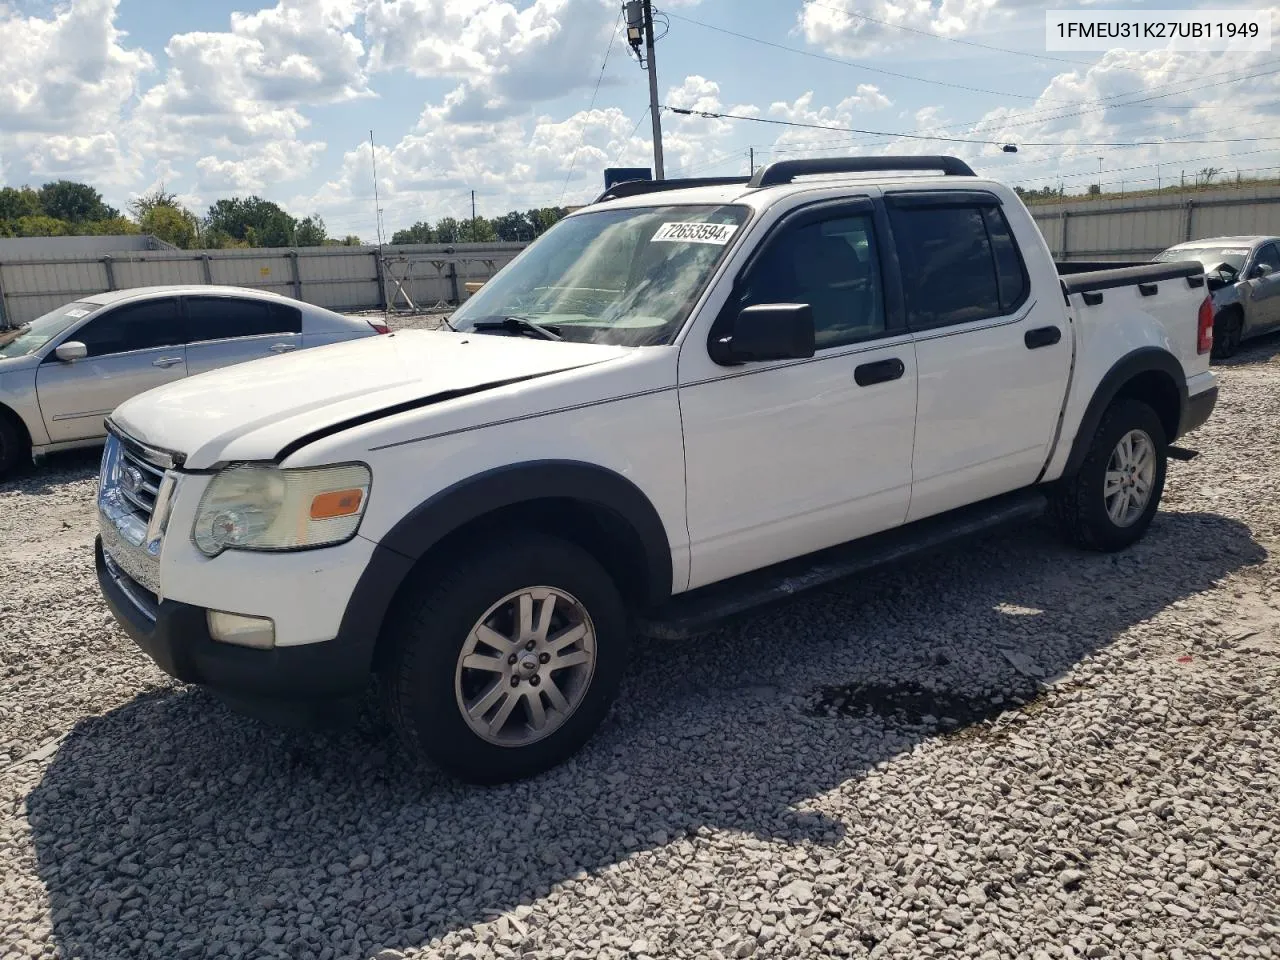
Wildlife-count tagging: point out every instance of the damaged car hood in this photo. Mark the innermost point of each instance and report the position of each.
(277, 400)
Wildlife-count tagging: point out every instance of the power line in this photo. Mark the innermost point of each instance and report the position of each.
(938, 36)
(713, 115)
(591, 106)
(854, 64)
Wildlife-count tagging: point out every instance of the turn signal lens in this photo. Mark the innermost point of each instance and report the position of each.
(337, 503)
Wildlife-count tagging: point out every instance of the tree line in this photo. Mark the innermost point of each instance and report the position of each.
(513, 226)
(65, 208)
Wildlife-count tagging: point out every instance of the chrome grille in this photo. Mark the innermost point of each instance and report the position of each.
(139, 481)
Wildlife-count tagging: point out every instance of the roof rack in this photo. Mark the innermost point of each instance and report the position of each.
(785, 171)
(635, 188)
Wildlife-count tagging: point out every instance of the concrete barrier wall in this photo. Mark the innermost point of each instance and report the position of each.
(341, 278)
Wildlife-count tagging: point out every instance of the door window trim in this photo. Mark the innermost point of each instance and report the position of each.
(271, 305)
(106, 312)
(975, 199)
(817, 211)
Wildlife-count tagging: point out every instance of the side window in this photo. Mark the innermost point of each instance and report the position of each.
(1269, 255)
(134, 326)
(832, 265)
(218, 318)
(948, 266)
(1011, 273)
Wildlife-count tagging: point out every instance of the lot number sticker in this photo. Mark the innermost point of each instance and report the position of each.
(716, 233)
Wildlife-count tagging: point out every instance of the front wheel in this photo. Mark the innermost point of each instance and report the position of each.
(1112, 499)
(503, 664)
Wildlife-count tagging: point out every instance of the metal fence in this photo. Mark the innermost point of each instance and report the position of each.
(1137, 228)
(340, 278)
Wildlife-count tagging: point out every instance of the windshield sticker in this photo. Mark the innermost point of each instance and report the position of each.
(1233, 253)
(717, 233)
(77, 313)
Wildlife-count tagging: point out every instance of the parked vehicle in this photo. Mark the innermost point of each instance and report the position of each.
(62, 373)
(1243, 274)
(675, 405)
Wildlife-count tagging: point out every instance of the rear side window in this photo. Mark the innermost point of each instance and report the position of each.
(1270, 256)
(959, 264)
(134, 326)
(220, 318)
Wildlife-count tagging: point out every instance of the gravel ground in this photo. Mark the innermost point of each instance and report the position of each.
(1009, 750)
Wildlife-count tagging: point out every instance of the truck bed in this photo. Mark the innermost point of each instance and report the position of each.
(1088, 276)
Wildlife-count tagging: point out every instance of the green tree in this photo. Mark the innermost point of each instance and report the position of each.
(110, 227)
(478, 230)
(18, 202)
(41, 226)
(74, 202)
(159, 197)
(311, 232)
(513, 226)
(172, 224)
(252, 222)
(544, 218)
(448, 230)
(420, 232)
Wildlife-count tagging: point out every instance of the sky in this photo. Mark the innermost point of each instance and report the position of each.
(527, 101)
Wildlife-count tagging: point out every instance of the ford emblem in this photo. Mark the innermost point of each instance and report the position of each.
(131, 480)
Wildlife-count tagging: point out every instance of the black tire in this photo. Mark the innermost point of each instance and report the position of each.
(1228, 327)
(1078, 505)
(439, 607)
(13, 446)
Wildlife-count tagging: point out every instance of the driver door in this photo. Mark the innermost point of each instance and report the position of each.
(131, 348)
(783, 458)
(1264, 292)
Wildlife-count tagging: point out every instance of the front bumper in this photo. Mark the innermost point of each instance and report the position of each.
(178, 640)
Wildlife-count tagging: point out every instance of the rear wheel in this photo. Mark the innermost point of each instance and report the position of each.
(1112, 499)
(504, 665)
(1228, 328)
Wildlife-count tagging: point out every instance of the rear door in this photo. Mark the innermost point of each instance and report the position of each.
(222, 331)
(131, 349)
(1264, 291)
(993, 360)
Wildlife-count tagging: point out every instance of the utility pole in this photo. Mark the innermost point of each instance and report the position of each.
(639, 19)
(752, 152)
(472, 229)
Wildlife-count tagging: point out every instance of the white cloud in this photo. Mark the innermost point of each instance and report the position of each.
(70, 72)
(275, 162)
(505, 58)
(834, 25)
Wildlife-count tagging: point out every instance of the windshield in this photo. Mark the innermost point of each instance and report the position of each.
(1209, 257)
(27, 339)
(625, 277)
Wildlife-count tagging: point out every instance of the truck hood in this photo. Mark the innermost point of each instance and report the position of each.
(280, 399)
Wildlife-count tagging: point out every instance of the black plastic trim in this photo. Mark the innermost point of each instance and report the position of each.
(785, 171)
(1195, 281)
(1092, 298)
(1128, 276)
(1148, 289)
(1198, 409)
(434, 519)
(923, 199)
(1133, 364)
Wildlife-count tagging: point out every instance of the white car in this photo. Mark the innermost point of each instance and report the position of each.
(676, 404)
(64, 372)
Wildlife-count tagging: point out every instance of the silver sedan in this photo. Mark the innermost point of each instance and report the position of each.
(62, 373)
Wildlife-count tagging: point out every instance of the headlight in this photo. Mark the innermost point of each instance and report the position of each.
(258, 507)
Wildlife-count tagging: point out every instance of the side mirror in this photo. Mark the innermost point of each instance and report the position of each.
(1263, 270)
(767, 331)
(71, 351)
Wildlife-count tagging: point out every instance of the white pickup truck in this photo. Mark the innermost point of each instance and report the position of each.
(680, 402)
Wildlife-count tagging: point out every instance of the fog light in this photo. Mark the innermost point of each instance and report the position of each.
(243, 631)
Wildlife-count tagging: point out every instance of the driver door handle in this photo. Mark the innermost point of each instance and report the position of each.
(283, 347)
(882, 371)
(165, 361)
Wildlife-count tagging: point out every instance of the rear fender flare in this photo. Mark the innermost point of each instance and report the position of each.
(1131, 365)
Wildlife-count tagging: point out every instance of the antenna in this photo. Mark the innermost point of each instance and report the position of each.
(377, 208)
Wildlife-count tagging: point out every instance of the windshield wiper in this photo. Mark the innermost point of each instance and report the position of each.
(517, 324)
